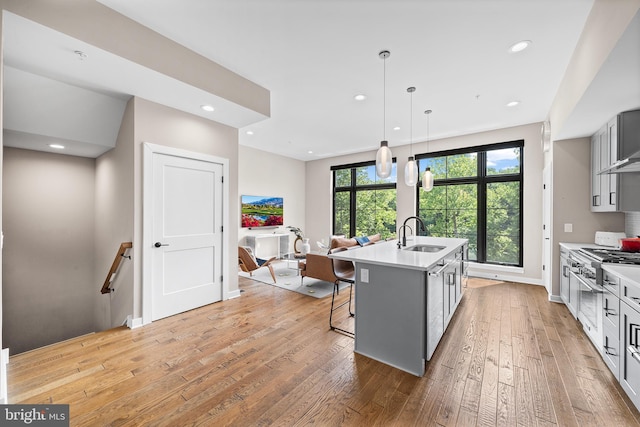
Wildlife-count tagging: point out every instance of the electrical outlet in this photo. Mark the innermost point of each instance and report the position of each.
(364, 275)
(568, 228)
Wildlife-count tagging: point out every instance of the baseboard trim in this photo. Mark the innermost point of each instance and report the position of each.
(233, 294)
(133, 323)
(505, 278)
(4, 360)
(556, 298)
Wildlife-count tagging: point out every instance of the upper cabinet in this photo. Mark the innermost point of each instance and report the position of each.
(611, 192)
(604, 196)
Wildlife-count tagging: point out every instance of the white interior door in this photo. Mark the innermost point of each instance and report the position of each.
(187, 234)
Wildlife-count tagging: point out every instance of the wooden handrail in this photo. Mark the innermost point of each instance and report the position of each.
(106, 288)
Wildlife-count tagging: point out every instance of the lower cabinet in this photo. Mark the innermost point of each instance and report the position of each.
(444, 291)
(568, 286)
(611, 331)
(630, 360)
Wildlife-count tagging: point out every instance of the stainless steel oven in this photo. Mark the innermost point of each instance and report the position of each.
(587, 275)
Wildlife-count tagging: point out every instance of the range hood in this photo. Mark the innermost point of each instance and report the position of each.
(630, 164)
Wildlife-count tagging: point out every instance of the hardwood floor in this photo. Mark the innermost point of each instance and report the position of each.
(509, 358)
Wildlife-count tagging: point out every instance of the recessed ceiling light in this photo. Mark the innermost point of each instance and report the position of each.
(249, 132)
(57, 146)
(396, 128)
(309, 152)
(513, 103)
(519, 46)
(360, 97)
(207, 108)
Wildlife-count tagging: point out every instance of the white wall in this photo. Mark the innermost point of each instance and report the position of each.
(266, 174)
(319, 182)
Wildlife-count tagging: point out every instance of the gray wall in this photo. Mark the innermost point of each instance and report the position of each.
(48, 282)
(114, 223)
(571, 197)
(162, 125)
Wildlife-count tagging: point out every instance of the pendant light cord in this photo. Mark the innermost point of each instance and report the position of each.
(384, 98)
(411, 123)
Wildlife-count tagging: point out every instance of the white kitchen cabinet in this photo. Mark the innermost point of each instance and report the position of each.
(569, 288)
(564, 275)
(630, 360)
(611, 331)
(604, 197)
(615, 141)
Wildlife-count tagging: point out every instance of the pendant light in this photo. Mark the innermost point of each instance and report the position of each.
(427, 177)
(411, 168)
(384, 156)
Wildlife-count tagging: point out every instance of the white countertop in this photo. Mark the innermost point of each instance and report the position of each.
(387, 253)
(575, 246)
(630, 273)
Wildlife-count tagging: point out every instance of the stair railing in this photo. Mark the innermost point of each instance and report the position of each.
(106, 287)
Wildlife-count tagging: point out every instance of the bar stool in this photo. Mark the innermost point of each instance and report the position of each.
(344, 272)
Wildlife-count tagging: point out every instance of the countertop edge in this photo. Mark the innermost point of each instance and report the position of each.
(387, 253)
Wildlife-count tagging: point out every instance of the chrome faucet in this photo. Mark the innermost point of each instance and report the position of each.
(404, 224)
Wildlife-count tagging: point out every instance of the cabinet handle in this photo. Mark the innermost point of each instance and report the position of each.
(596, 200)
(612, 198)
(633, 335)
(606, 350)
(634, 352)
(606, 282)
(608, 311)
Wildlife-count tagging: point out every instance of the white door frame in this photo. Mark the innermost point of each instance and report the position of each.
(147, 218)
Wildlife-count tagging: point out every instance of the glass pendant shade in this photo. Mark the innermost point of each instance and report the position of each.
(383, 160)
(411, 172)
(427, 180)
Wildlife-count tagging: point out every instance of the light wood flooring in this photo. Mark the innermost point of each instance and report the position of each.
(509, 358)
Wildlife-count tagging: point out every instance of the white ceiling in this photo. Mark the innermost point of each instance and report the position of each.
(315, 55)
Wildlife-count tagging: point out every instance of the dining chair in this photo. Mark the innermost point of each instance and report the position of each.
(344, 272)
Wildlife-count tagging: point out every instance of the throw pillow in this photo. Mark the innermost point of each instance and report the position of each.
(362, 240)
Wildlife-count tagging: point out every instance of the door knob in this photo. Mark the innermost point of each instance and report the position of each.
(158, 244)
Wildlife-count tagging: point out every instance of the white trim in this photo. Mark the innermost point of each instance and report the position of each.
(4, 360)
(234, 294)
(133, 323)
(505, 278)
(147, 215)
(475, 266)
(556, 298)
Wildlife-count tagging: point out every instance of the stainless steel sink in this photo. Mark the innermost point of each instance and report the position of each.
(425, 248)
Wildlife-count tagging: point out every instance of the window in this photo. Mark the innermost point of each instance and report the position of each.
(363, 204)
(477, 195)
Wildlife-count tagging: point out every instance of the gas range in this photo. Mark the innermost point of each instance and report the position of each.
(612, 256)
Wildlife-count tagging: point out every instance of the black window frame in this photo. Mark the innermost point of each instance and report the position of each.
(482, 180)
(353, 188)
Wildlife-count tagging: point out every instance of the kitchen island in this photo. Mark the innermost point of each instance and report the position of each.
(405, 298)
